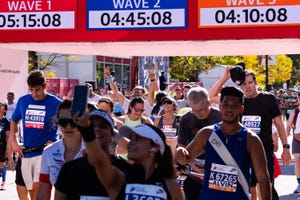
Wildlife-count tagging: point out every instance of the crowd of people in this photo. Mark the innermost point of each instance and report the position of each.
(190, 143)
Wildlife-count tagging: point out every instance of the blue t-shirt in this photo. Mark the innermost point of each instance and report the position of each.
(39, 124)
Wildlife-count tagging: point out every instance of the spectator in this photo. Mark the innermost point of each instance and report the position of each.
(118, 110)
(152, 169)
(4, 134)
(10, 105)
(201, 115)
(293, 125)
(37, 111)
(291, 101)
(183, 103)
(135, 113)
(167, 122)
(93, 98)
(138, 91)
(55, 155)
(77, 178)
(260, 111)
(230, 150)
(158, 110)
(178, 94)
(107, 105)
(162, 82)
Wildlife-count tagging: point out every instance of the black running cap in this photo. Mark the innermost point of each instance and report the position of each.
(238, 74)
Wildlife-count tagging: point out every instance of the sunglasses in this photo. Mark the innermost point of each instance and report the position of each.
(167, 102)
(65, 121)
(139, 109)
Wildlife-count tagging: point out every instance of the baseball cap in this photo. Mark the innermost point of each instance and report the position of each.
(145, 131)
(238, 74)
(104, 115)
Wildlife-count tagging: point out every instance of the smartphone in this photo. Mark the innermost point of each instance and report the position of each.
(79, 103)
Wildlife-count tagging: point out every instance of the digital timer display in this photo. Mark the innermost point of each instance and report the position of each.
(236, 15)
(136, 14)
(37, 14)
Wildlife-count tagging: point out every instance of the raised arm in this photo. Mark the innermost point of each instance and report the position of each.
(215, 89)
(152, 78)
(120, 97)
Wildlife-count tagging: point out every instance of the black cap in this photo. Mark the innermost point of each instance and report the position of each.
(238, 74)
(233, 91)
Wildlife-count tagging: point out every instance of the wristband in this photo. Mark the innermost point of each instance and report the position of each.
(87, 133)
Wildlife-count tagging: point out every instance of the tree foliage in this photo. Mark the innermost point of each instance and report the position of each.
(188, 68)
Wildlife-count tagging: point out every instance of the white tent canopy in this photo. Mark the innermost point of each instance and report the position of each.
(168, 48)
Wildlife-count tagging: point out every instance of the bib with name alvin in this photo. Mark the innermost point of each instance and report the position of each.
(223, 178)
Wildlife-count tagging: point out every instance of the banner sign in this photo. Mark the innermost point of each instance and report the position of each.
(37, 14)
(136, 14)
(248, 13)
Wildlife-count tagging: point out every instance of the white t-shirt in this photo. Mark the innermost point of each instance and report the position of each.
(10, 110)
(53, 159)
(94, 99)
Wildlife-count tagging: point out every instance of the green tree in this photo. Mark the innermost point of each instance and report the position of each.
(187, 68)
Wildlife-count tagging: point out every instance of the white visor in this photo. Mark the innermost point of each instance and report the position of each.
(144, 131)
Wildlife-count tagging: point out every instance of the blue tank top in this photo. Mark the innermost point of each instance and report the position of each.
(214, 179)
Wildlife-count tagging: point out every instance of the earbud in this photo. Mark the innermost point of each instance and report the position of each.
(153, 150)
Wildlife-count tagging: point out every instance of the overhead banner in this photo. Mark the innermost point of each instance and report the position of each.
(147, 20)
(136, 14)
(37, 14)
(248, 13)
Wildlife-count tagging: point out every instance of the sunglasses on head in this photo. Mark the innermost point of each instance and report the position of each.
(167, 102)
(139, 109)
(65, 121)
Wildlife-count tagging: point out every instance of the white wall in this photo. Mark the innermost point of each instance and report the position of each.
(80, 67)
(210, 76)
(13, 72)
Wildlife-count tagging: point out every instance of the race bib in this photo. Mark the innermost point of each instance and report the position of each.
(169, 131)
(252, 122)
(223, 178)
(93, 198)
(181, 179)
(35, 116)
(144, 192)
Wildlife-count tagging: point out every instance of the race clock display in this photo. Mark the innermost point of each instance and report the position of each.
(136, 14)
(37, 14)
(248, 13)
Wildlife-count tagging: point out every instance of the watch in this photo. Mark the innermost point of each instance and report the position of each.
(287, 146)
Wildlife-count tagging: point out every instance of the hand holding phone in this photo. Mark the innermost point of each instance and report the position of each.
(79, 103)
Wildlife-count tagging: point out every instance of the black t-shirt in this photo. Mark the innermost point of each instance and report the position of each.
(162, 84)
(264, 105)
(189, 125)
(78, 178)
(4, 126)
